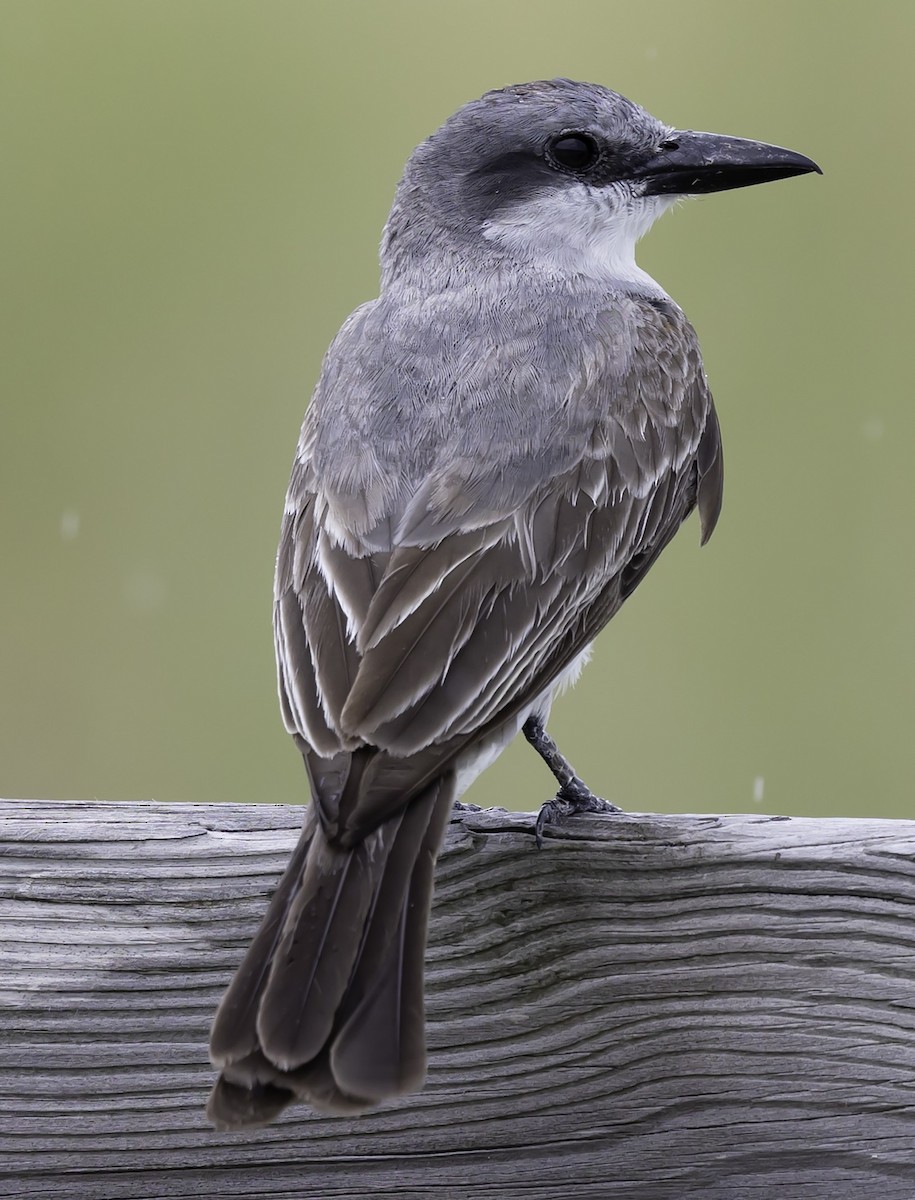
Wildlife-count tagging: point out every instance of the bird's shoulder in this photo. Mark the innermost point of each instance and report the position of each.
(453, 407)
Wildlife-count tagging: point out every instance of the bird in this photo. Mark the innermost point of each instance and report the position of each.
(498, 449)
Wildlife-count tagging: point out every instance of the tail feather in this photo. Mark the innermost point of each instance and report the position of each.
(379, 1048)
(249, 1092)
(327, 1005)
(233, 1034)
(319, 945)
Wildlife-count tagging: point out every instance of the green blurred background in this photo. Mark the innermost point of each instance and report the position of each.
(193, 192)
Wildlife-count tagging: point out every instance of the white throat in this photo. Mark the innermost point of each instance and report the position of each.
(582, 231)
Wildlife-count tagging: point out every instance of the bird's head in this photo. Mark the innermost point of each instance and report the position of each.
(564, 176)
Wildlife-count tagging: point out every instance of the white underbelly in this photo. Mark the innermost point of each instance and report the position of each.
(485, 752)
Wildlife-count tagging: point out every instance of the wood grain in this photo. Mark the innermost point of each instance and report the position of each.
(652, 1007)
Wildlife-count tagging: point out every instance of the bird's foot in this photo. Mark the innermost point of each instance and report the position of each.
(573, 797)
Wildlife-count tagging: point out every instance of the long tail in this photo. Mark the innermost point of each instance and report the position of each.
(327, 1006)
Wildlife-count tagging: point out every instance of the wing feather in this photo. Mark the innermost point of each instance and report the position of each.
(414, 576)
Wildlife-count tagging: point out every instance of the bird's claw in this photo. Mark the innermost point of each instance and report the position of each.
(571, 799)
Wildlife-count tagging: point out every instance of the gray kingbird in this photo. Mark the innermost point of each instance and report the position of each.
(497, 450)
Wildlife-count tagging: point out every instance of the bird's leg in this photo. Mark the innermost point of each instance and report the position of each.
(574, 795)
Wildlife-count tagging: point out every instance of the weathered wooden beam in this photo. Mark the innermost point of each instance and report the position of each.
(651, 1007)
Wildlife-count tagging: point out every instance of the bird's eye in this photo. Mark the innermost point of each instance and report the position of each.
(573, 151)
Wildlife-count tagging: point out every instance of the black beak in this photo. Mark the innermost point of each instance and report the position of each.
(689, 164)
